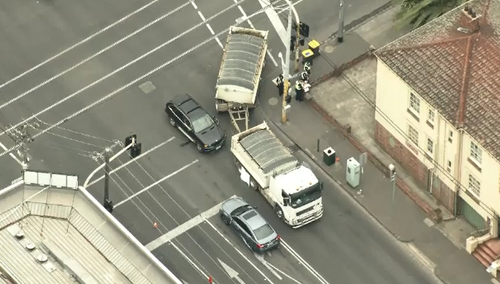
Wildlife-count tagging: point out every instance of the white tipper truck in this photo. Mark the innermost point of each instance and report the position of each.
(240, 72)
(266, 165)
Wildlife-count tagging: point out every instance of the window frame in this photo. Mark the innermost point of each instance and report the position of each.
(475, 191)
(448, 166)
(431, 113)
(410, 128)
(431, 152)
(414, 104)
(450, 136)
(475, 153)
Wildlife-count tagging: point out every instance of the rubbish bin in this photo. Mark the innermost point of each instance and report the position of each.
(329, 156)
(307, 56)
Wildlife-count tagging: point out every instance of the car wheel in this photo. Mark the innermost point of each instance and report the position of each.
(246, 243)
(278, 211)
(172, 122)
(225, 219)
(199, 147)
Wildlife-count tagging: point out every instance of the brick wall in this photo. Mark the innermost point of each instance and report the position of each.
(408, 159)
(443, 194)
(401, 154)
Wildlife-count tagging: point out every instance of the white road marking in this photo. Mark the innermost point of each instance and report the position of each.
(120, 69)
(253, 27)
(303, 262)
(190, 261)
(156, 183)
(179, 230)
(93, 56)
(275, 21)
(284, 274)
(240, 253)
(78, 44)
(194, 4)
(132, 160)
(11, 155)
(233, 274)
(261, 259)
(208, 26)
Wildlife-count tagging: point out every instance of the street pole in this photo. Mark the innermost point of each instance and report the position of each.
(107, 169)
(340, 33)
(286, 67)
(297, 36)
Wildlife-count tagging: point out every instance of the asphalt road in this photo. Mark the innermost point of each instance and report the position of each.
(345, 246)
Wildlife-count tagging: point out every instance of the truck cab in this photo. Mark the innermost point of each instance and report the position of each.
(300, 194)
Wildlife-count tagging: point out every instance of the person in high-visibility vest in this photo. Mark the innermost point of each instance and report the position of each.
(299, 91)
(280, 83)
(307, 68)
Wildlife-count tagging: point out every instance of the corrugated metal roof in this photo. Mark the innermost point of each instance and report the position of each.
(266, 150)
(241, 62)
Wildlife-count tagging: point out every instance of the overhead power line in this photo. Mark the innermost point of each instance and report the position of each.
(117, 91)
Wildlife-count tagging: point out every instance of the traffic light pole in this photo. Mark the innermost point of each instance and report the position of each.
(107, 169)
(286, 65)
(100, 167)
(297, 44)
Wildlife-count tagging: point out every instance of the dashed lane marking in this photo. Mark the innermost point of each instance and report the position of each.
(208, 25)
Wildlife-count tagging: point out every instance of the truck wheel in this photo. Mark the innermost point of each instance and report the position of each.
(278, 211)
(253, 184)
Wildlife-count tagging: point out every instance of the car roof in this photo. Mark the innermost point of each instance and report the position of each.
(188, 105)
(253, 219)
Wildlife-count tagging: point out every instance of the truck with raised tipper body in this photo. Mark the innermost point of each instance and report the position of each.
(240, 72)
(266, 165)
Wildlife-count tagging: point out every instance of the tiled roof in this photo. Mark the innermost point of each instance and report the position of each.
(456, 69)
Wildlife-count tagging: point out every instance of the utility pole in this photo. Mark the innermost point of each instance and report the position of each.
(22, 137)
(107, 169)
(286, 65)
(340, 33)
(297, 44)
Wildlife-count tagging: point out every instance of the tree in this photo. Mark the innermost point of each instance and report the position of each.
(416, 13)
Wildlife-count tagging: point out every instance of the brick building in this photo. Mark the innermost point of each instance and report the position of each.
(438, 99)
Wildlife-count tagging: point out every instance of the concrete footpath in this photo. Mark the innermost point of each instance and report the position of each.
(339, 113)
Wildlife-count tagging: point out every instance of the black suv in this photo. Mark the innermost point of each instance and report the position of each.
(195, 122)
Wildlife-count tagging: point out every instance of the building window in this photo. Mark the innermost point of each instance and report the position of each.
(414, 103)
(430, 146)
(450, 136)
(476, 153)
(413, 135)
(448, 167)
(474, 185)
(430, 117)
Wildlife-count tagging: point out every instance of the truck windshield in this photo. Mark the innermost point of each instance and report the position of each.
(310, 195)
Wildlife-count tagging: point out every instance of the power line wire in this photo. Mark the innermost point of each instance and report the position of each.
(117, 91)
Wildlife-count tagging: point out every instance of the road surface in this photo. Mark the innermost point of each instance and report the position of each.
(172, 184)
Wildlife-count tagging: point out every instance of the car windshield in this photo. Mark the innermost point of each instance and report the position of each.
(305, 198)
(203, 122)
(263, 232)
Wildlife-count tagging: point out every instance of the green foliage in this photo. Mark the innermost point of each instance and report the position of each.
(416, 13)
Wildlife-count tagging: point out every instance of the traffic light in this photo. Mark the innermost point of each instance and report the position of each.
(129, 139)
(136, 150)
(108, 205)
(304, 29)
(292, 43)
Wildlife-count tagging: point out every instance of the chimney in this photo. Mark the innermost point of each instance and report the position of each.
(469, 20)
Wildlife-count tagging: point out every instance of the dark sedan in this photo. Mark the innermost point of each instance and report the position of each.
(195, 123)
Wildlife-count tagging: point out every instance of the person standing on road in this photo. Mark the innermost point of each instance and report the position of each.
(307, 68)
(280, 83)
(299, 91)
